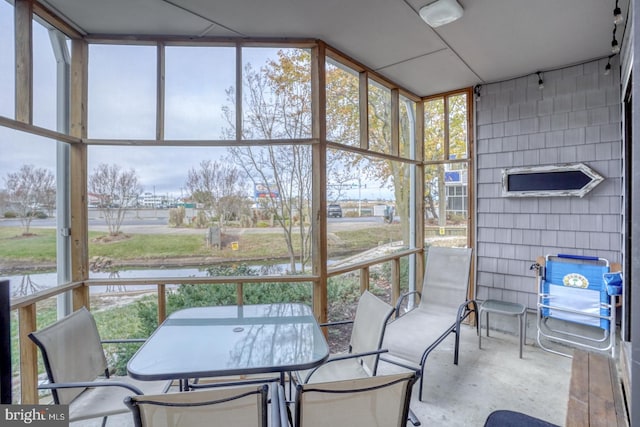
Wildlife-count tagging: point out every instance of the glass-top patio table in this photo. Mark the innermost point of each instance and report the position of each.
(231, 340)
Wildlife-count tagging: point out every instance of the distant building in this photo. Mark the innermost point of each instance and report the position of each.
(151, 200)
(456, 183)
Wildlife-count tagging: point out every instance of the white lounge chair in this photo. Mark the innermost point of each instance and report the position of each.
(444, 304)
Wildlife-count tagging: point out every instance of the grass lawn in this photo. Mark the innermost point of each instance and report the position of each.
(41, 246)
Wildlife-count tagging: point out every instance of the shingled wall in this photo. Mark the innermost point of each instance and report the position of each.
(575, 118)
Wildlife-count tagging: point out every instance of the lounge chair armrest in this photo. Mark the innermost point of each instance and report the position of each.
(402, 298)
(336, 323)
(123, 340)
(92, 384)
(401, 363)
(344, 357)
(464, 310)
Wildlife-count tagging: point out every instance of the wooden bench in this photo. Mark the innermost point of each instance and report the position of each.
(595, 393)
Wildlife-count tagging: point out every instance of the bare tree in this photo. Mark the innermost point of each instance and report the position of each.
(219, 187)
(29, 190)
(4, 200)
(115, 189)
(278, 106)
(286, 171)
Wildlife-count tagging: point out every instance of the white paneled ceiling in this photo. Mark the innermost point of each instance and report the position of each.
(494, 40)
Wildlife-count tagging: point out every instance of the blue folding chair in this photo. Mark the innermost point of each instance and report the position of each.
(576, 289)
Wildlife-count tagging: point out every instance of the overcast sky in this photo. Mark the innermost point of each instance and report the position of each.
(122, 104)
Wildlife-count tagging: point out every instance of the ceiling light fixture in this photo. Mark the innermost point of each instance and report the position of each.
(477, 91)
(441, 12)
(615, 47)
(617, 15)
(540, 82)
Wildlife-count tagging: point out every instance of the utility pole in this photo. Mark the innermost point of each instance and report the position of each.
(359, 198)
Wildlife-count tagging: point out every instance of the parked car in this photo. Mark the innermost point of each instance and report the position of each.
(334, 211)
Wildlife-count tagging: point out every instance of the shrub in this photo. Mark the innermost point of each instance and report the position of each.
(10, 214)
(201, 220)
(37, 214)
(176, 216)
(343, 291)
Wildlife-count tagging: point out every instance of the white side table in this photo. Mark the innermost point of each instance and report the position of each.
(508, 309)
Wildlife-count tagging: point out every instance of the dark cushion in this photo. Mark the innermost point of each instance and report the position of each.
(504, 418)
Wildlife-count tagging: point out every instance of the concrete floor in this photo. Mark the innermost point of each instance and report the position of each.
(484, 380)
(491, 378)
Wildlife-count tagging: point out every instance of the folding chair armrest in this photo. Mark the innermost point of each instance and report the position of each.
(344, 357)
(402, 298)
(279, 413)
(90, 384)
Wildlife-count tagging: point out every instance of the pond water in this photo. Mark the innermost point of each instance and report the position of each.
(27, 284)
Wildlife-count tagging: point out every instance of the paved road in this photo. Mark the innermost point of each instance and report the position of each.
(155, 222)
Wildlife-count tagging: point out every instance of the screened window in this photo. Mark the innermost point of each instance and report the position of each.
(7, 60)
(28, 206)
(343, 104)
(276, 93)
(379, 118)
(407, 128)
(446, 148)
(122, 92)
(199, 92)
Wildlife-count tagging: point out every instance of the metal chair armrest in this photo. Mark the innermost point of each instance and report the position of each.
(123, 341)
(91, 384)
(344, 357)
(239, 381)
(336, 323)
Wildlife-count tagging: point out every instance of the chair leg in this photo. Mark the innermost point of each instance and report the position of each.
(104, 421)
(412, 417)
(487, 323)
(421, 381)
(455, 350)
(479, 329)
